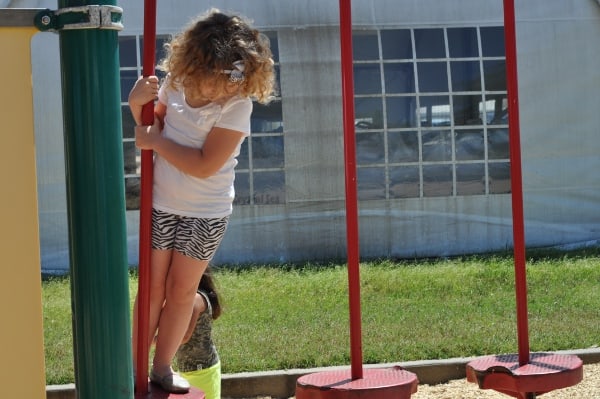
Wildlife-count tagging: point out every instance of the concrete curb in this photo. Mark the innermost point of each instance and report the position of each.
(282, 383)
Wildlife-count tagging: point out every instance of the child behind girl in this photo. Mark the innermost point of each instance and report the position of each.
(197, 358)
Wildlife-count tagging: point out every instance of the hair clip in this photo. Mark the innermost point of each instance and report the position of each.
(236, 75)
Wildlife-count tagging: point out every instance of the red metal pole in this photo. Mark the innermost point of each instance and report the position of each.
(516, 180)
(141, 382)
(351, 196)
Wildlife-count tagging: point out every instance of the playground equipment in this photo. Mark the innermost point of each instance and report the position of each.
(21, 338)
(94, 180)
(88, 36)
(100, 292)
(357, 383)
(523, 375)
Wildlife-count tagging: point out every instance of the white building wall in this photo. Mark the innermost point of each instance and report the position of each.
(558, 71)
(558, 79)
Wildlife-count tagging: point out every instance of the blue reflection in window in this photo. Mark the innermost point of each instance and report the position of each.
(369, 148)
(470, 179)
(367, 79)
(466, 75)
(269, 187)
(404, 182)
(267, 118)
(429, 43)
(499, 177)
(274, 43)
(495, 75)
(365, 46)
(462, 42)
(399, 78)
(492, 41)
(127, 51)
(277, 71)
(437, 180)
(128, 79)
(437, 146)
(497, 109)
(371, 183)
(467, 110)
(403, 147)
(469, 145)
(130, 158)
(368, 113)
(433, 77)
(243, 158)
(242, 188)
(127, 122)
(267, 152)
(498, 144)
(396, 44)
(401, 112)
(434, 110)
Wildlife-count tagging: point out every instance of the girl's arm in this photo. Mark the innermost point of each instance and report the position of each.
(199, 307)
(160, 110)
(144, 90)
(198, 162)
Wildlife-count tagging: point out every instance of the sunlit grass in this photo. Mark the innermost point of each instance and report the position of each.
(280, 317)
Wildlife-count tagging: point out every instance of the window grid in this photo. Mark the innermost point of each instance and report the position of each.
(420, 97)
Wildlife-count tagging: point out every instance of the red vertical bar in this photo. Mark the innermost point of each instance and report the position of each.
(141, 382)
(516, 180)
(351, 197)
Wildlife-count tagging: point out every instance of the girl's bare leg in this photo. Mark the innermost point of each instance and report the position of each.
(181, 285)
(160, 261)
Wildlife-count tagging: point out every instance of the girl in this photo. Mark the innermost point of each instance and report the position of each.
(213, 69)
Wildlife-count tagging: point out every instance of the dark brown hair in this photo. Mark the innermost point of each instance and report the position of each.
(207, 284)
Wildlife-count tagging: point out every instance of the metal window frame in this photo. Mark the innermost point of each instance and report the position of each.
(417, 95)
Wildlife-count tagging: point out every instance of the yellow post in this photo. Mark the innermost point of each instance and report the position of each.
(22, 370)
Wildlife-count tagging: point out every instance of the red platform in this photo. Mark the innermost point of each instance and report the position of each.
(545, 372)
(390, 383)
(154, 392)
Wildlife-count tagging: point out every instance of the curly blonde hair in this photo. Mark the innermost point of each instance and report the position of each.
(210, 45)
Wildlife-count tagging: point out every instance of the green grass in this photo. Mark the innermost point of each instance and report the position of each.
(283, 316)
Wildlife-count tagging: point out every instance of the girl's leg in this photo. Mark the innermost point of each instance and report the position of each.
(181, 285)
(160, 261)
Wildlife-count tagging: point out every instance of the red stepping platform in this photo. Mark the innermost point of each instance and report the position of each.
(390, 383)
(545, 372)
(154, 392)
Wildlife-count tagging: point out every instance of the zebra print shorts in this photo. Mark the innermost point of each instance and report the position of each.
(196, 238)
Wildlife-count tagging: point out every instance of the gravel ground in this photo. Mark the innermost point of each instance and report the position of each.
(589, 388)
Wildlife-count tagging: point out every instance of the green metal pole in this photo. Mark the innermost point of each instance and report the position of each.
(96, 209)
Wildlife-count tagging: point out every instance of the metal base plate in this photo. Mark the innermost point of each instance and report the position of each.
(545, 372)
(390, 383)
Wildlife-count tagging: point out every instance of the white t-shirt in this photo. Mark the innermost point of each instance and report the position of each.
(179, 193)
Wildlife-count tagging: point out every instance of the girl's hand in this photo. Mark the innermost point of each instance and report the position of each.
(144, 90)
(148, 137)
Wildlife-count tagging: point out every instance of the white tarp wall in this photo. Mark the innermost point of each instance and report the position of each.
(558, 77)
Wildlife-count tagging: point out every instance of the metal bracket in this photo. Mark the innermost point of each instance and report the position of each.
(84, 17)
